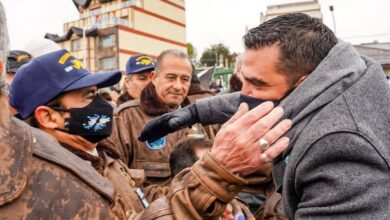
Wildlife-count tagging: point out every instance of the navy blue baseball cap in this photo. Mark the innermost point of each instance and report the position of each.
(139, 63)
(46, 76)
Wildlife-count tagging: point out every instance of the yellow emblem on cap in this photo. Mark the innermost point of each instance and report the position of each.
(77, 64)
(64, 57)
(22, 57)
(144, 60)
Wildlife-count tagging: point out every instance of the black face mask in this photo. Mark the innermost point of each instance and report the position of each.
(93, 122)
(253, 102)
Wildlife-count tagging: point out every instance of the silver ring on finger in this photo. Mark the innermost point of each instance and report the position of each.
(264, 144)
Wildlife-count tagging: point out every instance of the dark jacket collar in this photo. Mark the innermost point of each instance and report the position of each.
(197, 89)
(104, 148)
(152, 105)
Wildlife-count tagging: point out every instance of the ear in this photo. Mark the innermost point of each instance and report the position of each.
(47, 117)
(154, 77)
(126, 81)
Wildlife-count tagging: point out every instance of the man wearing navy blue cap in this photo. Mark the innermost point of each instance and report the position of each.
(58, 96)
(55, 94)
(138, 74)
(39, 179)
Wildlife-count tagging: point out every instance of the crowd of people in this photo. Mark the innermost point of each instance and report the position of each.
(301, 133)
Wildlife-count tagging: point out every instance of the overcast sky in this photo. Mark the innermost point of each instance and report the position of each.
(208, 21)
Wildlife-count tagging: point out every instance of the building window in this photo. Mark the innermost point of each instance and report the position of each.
(108, 63)
(76, 45)
(127, 3)
(107, 41)
(124, 21)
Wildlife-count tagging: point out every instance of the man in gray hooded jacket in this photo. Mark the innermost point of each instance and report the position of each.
(337, 163)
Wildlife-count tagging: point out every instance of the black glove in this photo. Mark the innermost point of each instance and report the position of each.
(169, 122)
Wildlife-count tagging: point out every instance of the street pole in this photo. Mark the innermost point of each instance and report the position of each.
(331, 8)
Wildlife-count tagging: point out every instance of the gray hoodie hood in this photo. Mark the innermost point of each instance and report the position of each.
(338, 71)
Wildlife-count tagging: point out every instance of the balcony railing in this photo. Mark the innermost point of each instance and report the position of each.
(117, 6)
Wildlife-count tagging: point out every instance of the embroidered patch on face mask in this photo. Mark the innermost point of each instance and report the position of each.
(157, 144)
(96, 122)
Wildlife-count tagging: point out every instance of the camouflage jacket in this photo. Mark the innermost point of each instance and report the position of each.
(39, 179)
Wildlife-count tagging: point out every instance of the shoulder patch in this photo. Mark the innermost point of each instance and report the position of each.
(157, 144)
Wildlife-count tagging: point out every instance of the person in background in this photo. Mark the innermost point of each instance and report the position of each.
(15, 59)
(217, 86)
(111, 94)
(235, 81)
(138, 74)
(115, 93)
(186, 152)
(167, 92)
(107, 96)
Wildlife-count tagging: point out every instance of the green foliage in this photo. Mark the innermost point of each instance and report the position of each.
(212, 55)
(191, 51)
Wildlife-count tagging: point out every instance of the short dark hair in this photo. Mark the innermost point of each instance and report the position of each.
(184, 156)
(303, 41)
(106, 95)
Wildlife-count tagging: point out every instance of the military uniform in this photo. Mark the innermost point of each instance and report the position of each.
(39, 179)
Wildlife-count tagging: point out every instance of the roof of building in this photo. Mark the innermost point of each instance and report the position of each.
(85, 3)
(73, 30)
(381, 55)
(385, 46)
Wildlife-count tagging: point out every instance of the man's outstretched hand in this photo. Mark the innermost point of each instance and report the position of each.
(169, 122)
